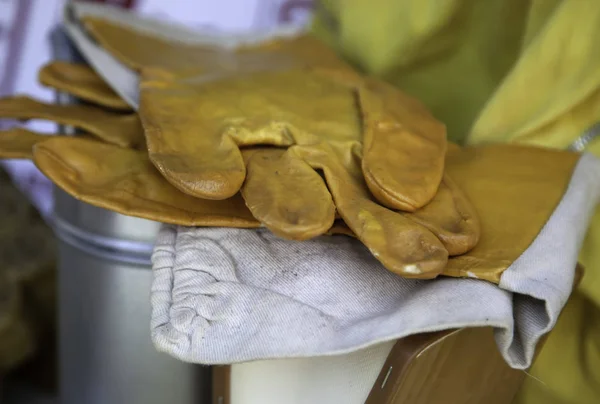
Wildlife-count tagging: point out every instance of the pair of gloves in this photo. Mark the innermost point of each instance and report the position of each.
(240, 138)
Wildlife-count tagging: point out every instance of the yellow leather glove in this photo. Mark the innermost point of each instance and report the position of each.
(277, 179)
(528, 178)
(199, 105)
(17, 143)
(119, 129)
(449, 216)
(81, 81)
(104, 173)
(514, 189)
(78, 168)
(385, 232)
(125, 181)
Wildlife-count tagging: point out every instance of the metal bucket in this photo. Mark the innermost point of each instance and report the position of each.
(105, 350)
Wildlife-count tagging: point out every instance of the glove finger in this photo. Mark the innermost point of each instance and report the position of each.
(118, 129)
(237, 111)
(188, 149)
(82, 82)
(286, 195)
(124, 180)
(404, 148)
(400, 244)
(17, 143)
(451, 217)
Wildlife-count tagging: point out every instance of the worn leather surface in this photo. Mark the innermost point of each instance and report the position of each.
(81, 81)
(286, 193)
(150, 201)
(299, 206)
(400, 244)
(289, 197)
(120, 129)
(125, 181)
(17, 143)
(515, 189)
(219, 110)
(198, 151)
(284, 190)
(404, 147)
(242, 105)
(451, 217)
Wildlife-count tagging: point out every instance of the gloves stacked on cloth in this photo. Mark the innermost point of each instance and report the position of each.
(295, 109)
(251, 153)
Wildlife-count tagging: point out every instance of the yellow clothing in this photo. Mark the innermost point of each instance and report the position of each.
(498, 71)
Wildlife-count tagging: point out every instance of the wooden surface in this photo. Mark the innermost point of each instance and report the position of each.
(458, 367)
(221, 385)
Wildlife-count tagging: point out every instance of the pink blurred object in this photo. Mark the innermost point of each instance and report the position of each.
(24, 48)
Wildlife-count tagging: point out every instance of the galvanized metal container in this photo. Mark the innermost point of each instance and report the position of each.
(105, 350)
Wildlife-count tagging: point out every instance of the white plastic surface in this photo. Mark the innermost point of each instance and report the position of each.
(346, 379)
